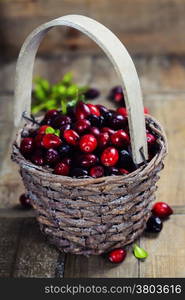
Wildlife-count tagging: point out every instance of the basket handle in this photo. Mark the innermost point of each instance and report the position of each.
(117, 54)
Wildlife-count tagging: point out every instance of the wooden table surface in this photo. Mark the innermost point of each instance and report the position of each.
(23, 250)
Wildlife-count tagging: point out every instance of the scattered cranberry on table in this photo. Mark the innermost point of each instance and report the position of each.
(117, 256)
(162, 210)
(25, 201)
(154, 225)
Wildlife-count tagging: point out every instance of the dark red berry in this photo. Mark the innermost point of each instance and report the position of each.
(103, 110)
(118, 97)
(162, 210)
(71, 137)
(65, 150)
(62, 169)
(52, 157)
(150, 139)
(82, 110)
(88, 143)
(50, 116)
(107, 129)
(117, 256)
(79, 172)
(92, 93)
(109, 157)
(95, 120)
(126, 161)
(109, 171)
(67, 160)
(60, 121)
(94, 109)
(37, 158)
(82, 125)
(154, 225)
(116, 94)
(96, 171)
(25, 201)
(51, 141)
(64, 128)
(94, 131)
(120, 138)
(103, 139)
(38, 141)
(26, 146)
(122, 111)
(87, 160)
(117, 121)
(42, 129)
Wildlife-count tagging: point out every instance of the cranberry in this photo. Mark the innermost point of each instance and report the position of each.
(38, 141)
(71, 112)
(109, 157)
(50, 116)
(64, 128)
(87, 160)
(107, 129)
(88, 143)
(117, 121)
(117, 255)
(37, 158)
(146, 110)
(154, 224)
(92, 93)
(82, 110)
(120, 138)
(95, 120)
(79, 172)
(109, 171)
(62, 169)
(103, 139)
(25, 201)
(26, 146)
(71, 137)
(162, 210)
(96, 171)
(51, 141)
(117, 89)
(116, 94)
(67, 160)
(123, 171)
(52, 157)
(65, 150)
(82, 125)
(61, 120)
(94, 131)
(126, 161)
(94, 109)
(103, 110)
(122, 111)
(118, 97)
(42, 129)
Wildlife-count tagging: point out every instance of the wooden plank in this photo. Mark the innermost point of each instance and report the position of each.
(166, 251)
(9, 237)
(35, 257)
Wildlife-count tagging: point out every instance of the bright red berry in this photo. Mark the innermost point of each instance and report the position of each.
(162, 210)
(117, 256)
(110, 157)
(82, 125)
(42, 129)
(51, 141)
(120, 138)
(118, 97)
(26, 146)
(71, 137)
(122, 111)
(94, 109)
(82, 110)
(96, 171)
(62, 169)
(88, 143)
(146, 110)
(103, 139)
(25, 201)
(150, 139)
(87, 160)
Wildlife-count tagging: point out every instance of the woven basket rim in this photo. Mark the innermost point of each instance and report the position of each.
(46, 172)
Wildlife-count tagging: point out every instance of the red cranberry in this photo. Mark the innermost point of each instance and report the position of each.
(117, 121)
(146, 110)
(26, 146)
(150, 139)
(94, 131)
(162, 210)
(87, 160)
(50, 116)
(103, 139)
(71, 137)
(51, 141)
(120, 138)
(118, 97)
(67, 160)
(64, 128)
(96, 171)
(52, 157)
(95, 120)
(107, 129)
(65, 150)
(91, 93)
(88, 143)
(37, 158)
(117, 256)
(94, 109)
(79, 172)
(82, 125)
(109, 171)
(109, 157)
(38, 141)
(126, 161)
(25, 201)
(82, 110)
(61, 120)
(62, 169)
(122, 111)
(123, 171)
(42, 129)
(116, 94)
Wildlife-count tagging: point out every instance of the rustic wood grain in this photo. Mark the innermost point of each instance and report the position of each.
(143, 25)
(9, 238)
(166, 251)
(35, 257)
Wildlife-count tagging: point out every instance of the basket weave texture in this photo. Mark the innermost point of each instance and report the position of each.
(92, 216)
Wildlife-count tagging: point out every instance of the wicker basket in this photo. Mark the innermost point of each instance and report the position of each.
(91, 216)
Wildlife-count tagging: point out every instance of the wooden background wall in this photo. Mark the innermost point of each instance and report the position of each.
(149, 27)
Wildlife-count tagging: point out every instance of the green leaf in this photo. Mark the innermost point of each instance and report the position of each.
(61, 90)
(57, 132)
(72, 91)
(64, 106)
(67, 79)
(50, 130)
(139, 253)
